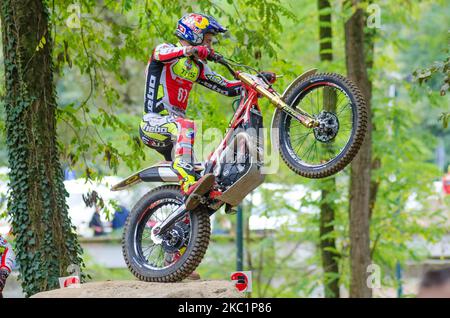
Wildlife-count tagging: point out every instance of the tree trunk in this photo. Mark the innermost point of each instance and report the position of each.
(327, 242)
(361, 165)
(46, 243)
(325, 30)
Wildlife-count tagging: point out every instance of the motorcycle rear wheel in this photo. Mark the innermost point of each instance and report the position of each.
(172, 262)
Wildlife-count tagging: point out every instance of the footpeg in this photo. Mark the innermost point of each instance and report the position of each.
(202, 199)
(203, 185)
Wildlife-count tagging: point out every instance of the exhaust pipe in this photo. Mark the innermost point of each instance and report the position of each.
(162, 172)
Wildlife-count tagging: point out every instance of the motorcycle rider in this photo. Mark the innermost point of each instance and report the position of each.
(170, 74)
(7, 259)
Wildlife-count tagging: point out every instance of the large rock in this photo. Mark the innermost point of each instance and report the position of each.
(138, 289)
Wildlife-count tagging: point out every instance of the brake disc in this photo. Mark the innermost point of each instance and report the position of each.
(176, 238)
(328, 127)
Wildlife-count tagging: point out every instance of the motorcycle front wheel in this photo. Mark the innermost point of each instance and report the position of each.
(339, 107)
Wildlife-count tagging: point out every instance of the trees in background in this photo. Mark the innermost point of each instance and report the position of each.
(45, 241)
(360, 180)
(99, 67)
(329, 253)
(95, 48)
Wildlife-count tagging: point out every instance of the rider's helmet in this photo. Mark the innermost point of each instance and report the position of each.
(192, 27)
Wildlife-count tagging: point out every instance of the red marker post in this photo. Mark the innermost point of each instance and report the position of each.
(446, 183)
(69, 282)
(242, 281)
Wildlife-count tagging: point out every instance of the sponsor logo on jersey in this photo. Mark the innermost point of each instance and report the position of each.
(151, 91)
(189, 133)
(215, 88)
(186, 69)
(157, 129)
(153, 143)
(157, 144)
(154, 129)
(188, 64)
(216, 79)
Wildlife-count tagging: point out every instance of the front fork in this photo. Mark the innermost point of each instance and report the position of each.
(303, 117)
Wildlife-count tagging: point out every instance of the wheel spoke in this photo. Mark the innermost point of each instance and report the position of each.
(343, 108)
(302, 136)
(308, 150)
(297, 149)
(154, 254)
(329, 139)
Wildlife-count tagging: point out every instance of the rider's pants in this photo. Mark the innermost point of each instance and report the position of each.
(162, 132)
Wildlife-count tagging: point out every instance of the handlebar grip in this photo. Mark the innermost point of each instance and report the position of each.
(215, 57)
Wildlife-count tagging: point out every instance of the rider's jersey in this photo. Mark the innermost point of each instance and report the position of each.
(7, 256)
(170, 76)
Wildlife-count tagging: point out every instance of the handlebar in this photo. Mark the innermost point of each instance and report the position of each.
(267, 77)
(264, 90)
(217, 58)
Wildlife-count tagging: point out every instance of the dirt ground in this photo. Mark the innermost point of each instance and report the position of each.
(138, 289)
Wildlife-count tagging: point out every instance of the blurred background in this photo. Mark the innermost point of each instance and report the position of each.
(99, 78)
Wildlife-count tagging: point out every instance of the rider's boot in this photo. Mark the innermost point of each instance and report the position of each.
(193, 276)
(192, 189)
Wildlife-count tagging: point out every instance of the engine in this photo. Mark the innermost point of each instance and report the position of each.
(231, 172)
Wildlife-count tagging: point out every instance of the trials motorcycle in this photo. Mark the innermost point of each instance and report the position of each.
(318, 127)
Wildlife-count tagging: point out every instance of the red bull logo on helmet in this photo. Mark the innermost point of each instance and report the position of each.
(201, 22)
(196, 22)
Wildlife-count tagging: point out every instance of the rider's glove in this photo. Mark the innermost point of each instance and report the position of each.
(202, 52)
(4, 273)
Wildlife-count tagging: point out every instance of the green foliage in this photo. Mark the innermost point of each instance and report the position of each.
(436, 68)
(405, 215)
(97, 272)
(115, 34)
(444, 118)
(99, 70)
(45, 241)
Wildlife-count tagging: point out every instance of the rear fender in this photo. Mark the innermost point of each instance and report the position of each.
(161, 172)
